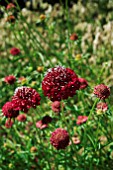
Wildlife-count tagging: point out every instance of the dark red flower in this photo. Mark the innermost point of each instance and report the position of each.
(41, 125)
(81, 120)
(10, 6)
(10, 79)
(8, 123)
(21, 117)
(102, 106)
(46, 119)
(14, 51)
(101, 91)
(83, 83)
(56, 106)
(73, 37)
(24, 98)
(59, 138)
(9, 110)
(60, 83)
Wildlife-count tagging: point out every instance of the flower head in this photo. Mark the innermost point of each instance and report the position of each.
(101, 91)
(8, 123)
(15, 51)
(56, 106)
(81, 120)
(60, 83)
(24, 98)
(73, 37)
(83, 83)
(9, 111)
(21, 117)
(10, 79)
(46, 119)
(59, 138)
(10, 6)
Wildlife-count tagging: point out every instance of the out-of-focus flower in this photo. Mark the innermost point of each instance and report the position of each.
(78, 57)
(73, 37)
(15, 51)
(60, 83)
(33, 149)
(42, 17)
(10, 6)
(102, 91)
(10, 18)
(40, 69)
(101, 107)
(22, 80)
(9, 111)
(46, 119)
(75, 140)
(24, 98)
(83, 83)
(81, 120)
(10, 79)
(59, 138)
(40, 125)
(21, 117)
(56, 106)
(8, 123)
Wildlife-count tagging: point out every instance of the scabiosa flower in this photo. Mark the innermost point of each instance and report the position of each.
(81, 120)
(60, 83)
(73, 37)
(101, 107)
(8, 123)
(46, 119)
(101, 91)
(9, 111)
(10, 79)
(24, 98)
(10, 6)
(21, 117)
(56, 106)
(15, 51)
(59, 138)
(83, 83)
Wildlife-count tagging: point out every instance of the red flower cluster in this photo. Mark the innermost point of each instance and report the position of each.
(9, 111)
(14, 51)
(81, 120)
(10, 6)
(73, 37)
(10, 79)
(25, 98)
(59, 138)
(60, 83)
(101, 91)
(83, 83)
